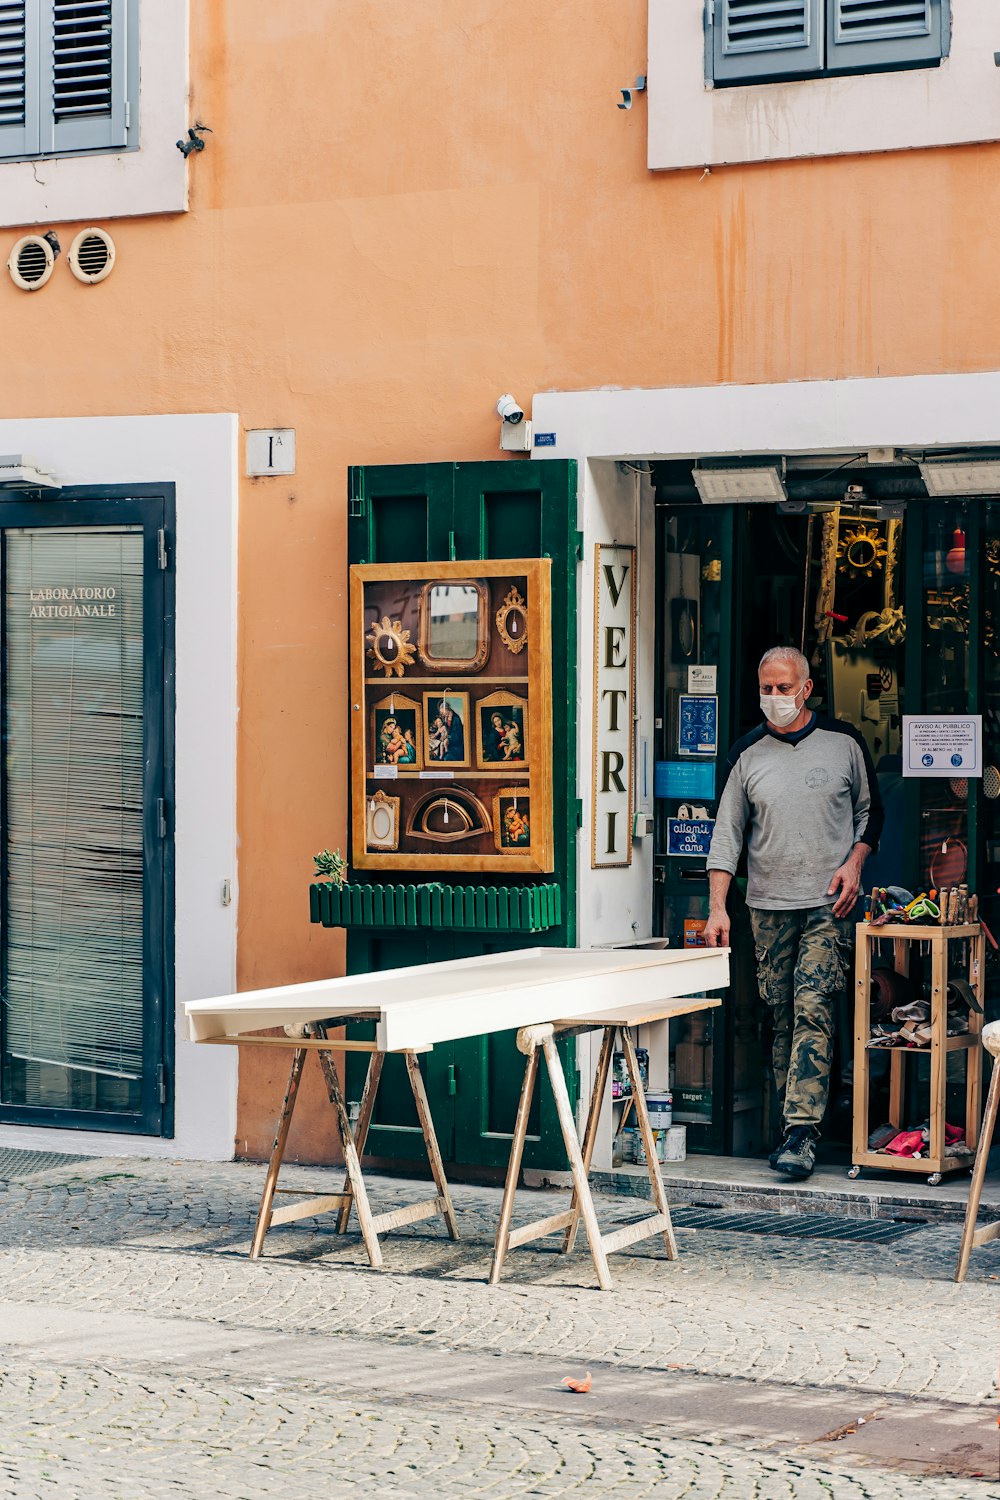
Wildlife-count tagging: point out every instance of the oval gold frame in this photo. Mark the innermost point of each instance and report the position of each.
(514, 604)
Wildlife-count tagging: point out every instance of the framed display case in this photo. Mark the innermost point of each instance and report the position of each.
(451, 698)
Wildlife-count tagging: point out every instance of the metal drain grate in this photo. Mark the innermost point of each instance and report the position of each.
(14, 1163)
(798, 1226)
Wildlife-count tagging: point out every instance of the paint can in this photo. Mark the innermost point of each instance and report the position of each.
(660, 1138)
(675, 1148)
(660, 1107)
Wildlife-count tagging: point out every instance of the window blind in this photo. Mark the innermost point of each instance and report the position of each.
(73, 982)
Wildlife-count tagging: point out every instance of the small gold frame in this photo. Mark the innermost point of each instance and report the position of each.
(471, 816)
(382, 822)
(389, 646)
(450, 663)
(493, 703)
(512, 621)
(512, 814)
(862, 551)
(393, 707)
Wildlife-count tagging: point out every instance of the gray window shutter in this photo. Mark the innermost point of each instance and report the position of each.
(18, 78)
(754, 39)
(871, 34)
(87, 106)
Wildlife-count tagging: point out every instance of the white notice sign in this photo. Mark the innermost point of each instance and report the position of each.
(942, 745)
(702, 679)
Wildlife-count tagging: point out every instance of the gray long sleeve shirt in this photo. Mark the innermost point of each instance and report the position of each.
(801, 801)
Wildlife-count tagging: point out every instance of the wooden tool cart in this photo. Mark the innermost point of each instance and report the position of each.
(964, 948)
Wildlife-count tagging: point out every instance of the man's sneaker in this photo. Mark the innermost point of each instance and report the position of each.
(797, 1156)
(772, 1160)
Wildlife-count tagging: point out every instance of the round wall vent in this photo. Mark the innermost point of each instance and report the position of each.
(31, 262)
(92, 255)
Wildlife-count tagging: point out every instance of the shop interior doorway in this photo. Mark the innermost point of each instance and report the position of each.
(893, 598)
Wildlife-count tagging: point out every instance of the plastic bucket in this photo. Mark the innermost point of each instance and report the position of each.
(675, 1147)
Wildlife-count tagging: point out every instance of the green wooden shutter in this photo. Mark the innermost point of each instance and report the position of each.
(85, 49)
(433, 512)
(759, 39)
(19, 80)
(864, 35)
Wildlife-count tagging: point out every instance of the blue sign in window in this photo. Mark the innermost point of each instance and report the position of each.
(697, 725)
(689, 835)
(685, 779)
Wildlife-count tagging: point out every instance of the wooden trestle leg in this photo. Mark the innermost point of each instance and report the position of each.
(372, 1079)
(583, 1200)
(590, 1134)
(431, 1142)
(502, 1243)
(277, 1153)
(352, 1161)
(649, 1143)
(971, 1236)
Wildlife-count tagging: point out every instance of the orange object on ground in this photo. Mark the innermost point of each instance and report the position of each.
(580, 1387)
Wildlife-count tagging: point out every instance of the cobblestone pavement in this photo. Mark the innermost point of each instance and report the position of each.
(86, 1243)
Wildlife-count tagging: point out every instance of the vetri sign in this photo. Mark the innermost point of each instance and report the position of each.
(77, 603)
(614, 694)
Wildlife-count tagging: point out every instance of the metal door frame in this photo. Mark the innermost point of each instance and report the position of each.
(152, 506)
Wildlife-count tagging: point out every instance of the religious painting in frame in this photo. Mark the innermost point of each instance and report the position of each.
(397, 733)
(485, 652)
(512, 819)
(501, 731)
(447, 730)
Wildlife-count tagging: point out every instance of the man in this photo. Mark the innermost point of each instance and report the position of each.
(802, 788)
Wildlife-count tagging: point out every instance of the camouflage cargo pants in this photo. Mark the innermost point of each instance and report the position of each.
(802, 964)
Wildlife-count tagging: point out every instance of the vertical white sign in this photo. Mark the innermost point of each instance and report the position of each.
(614, 694)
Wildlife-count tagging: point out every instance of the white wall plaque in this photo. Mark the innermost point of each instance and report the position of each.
(943, 745)
(614, 694)
(270, 450)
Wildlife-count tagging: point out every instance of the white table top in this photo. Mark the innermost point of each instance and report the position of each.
(428, 1003)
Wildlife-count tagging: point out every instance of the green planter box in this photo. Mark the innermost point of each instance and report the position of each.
(455, 908)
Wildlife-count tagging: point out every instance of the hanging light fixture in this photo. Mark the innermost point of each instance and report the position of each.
(955, 557)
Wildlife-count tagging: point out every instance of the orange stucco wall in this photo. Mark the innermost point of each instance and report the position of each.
(402, 212)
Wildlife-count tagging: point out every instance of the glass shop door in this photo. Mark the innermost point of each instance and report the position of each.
(897, 608)
(86, 926)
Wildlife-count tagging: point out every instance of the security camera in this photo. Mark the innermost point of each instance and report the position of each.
(509, 411)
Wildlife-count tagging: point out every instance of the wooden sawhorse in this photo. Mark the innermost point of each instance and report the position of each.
(313, 1038)
(531, 1040)
(971, 1236)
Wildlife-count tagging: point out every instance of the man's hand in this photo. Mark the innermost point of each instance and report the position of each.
(847, 881)
(716, 932)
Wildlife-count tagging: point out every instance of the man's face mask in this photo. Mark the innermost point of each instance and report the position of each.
(780, 710)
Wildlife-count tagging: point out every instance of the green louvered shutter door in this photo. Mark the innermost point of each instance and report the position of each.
(757, 39)
(864, 35)
(18, 78)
